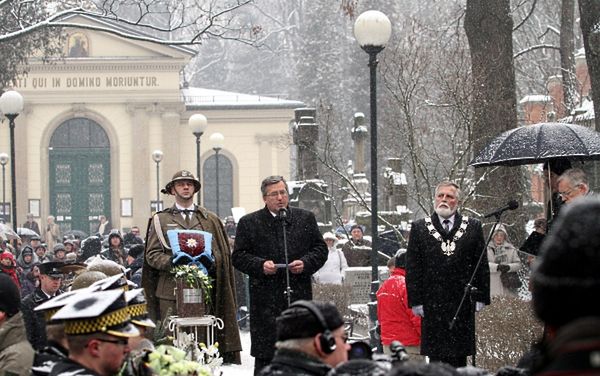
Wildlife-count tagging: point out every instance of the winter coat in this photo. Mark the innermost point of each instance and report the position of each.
(16, 354)
(398, 322)
(437, 282)
(333, 269)
(52, 235)
(35, 322)
(289, 362)
(45, 359)
(136, 270)
(28, 284)
(11, 271)
(26, 267)
(259, 238)
(503, 254)
(70, 367)
(33, 225)
(358, 253)
(114, 254)
(159, 283)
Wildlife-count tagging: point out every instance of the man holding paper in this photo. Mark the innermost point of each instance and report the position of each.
(261, 252)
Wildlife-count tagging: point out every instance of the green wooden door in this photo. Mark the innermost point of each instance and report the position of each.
(79, 175)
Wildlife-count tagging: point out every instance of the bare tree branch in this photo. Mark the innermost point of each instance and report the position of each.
(526, 16)
(184, 25)
(536, 47)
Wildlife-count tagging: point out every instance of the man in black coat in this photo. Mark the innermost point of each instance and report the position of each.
(51, 276)
(259, 252)
(440, 263)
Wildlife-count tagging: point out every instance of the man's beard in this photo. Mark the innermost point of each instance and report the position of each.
(444, 211)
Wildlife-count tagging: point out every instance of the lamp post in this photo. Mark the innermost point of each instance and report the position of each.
(11, 105)
(372, 30)
(157, 156)
(216, 139)
(3, 161)
(198, 124)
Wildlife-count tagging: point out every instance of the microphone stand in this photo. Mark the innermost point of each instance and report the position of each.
(470, 289)
(288, 289)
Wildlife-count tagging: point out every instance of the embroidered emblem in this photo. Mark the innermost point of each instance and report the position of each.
(448, 246)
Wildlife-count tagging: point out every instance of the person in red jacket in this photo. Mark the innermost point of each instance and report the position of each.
(8, 266)
(398, 322)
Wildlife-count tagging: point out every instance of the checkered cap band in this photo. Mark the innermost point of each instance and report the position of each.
(50, 312)
(136, 310)
(98, 324)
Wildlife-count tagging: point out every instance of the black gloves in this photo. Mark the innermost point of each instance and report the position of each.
(502, 268)
(180, 261)
(209, 264)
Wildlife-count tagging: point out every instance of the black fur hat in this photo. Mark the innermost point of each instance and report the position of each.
(566, 281)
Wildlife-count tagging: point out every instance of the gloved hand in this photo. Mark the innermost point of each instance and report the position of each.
(479, 306)
(502, 268)
(418, 311)
(180, 261)
(207, 262)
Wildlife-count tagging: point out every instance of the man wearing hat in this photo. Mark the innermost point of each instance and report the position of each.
(98, 327)
(16, 354)
(311, 340)
(40, 252)
(60, 252)
(51, 276)
(157, 279)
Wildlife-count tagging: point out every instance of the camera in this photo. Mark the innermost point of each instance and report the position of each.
(362, 350)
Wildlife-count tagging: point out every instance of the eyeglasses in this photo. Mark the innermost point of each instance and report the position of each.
(120, 341)
(568, 193)
(274, 194)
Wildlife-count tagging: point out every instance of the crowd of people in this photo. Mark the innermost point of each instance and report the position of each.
(90, 307)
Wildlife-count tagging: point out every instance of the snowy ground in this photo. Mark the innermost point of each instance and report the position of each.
(247, 366)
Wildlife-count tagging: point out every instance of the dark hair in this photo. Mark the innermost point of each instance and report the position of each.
(270, 180)
(400, 260)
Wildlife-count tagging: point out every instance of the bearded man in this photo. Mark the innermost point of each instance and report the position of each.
(443, 251)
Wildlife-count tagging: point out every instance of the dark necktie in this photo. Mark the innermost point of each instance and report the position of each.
(188, 222)
(447, 225)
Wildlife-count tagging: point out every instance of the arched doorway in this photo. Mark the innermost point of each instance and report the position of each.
(79, 175)
(209, 191)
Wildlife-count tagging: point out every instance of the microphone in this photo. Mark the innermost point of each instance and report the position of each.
(511, 205)
(282, 214)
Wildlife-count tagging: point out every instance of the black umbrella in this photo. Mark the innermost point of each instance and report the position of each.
(538, 143)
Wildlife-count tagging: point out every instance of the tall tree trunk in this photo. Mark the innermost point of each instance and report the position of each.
(488, 25)
(589, 11)
(567, 55)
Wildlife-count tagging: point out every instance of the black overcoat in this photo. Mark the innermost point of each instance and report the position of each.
(259, 237)
(437, 282)
(35, 322)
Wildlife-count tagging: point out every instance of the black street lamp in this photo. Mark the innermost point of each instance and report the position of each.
(216, 139)
(11, 105)
(157, 156)
(3, 161)
(198, 124)
(372, 30)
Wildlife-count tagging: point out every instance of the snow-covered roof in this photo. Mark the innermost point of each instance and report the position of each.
(536, 98)
(583, 113)
(200, 98)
